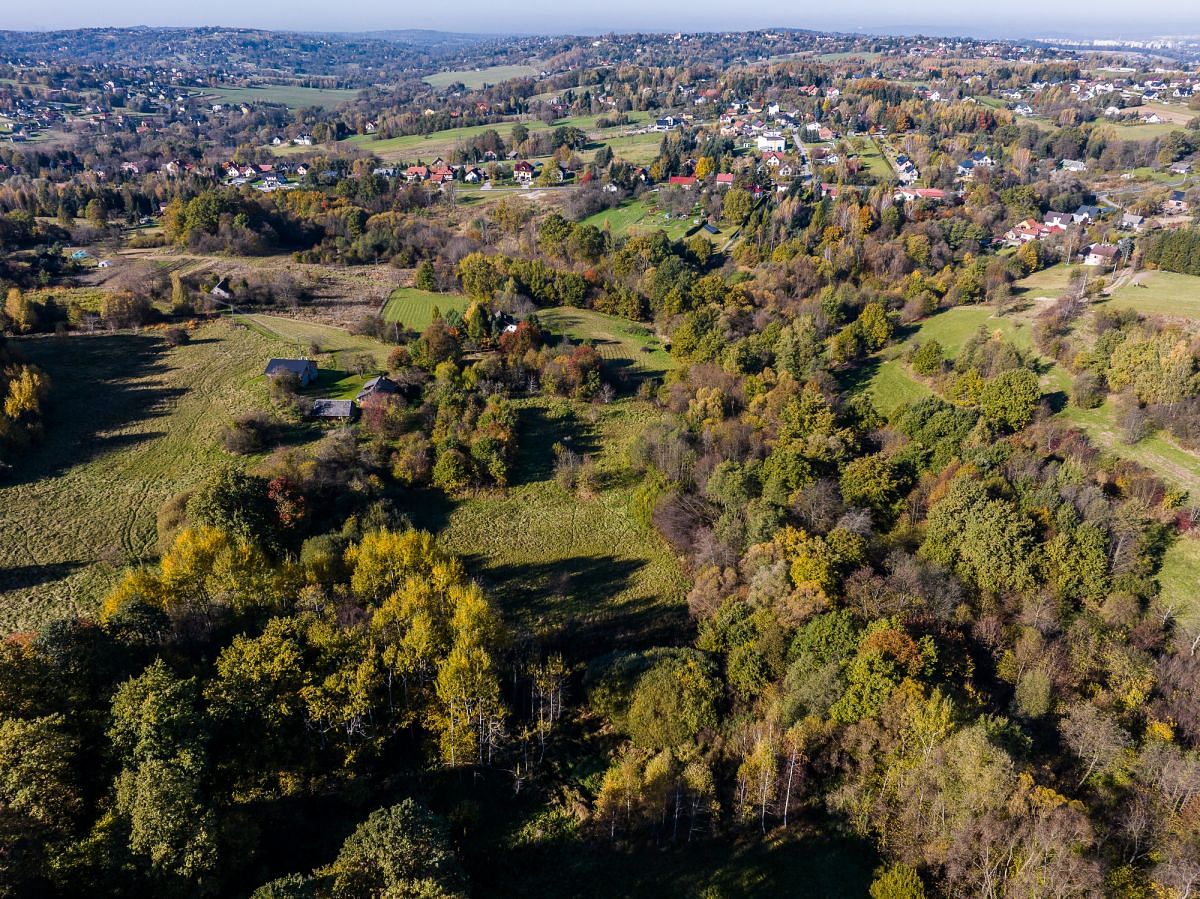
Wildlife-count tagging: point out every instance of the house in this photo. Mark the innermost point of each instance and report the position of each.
(333, 410)
(687, 182)
(1086, 214)
(1131, 222)
(221, 290)
(1181, 168)
(104, 263)
(1102, 254)
(976, 160)
(416, 173)
(474, 175)
(305, 370)
(381, 385)
(304, 140)
(1058, 220)
(1074, 165)
(1026, 231)
(1176, 203)
(913, 194)
(773, 159)
(772, 143)
(724, 179)
(825, 134)
(523, 172)
(667, 123)
(710, 228)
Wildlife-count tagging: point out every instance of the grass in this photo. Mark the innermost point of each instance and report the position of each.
(130, 422)
(1161, 293)
(339, 351)
(642, 216)
(877, 164)
(477, 78)
(413, 308)
(1049, 282)
(638, 148)
(1179, 578)
(580, 571)
(290, 95)
(623, 344)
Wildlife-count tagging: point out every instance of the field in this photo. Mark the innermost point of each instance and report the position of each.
(413, 308)
(290, 95)
(877, 163)
(477, 78)
(409, 147)
(131, 422)
(1160, 293)
(623, 344)
(634, 216)
(577, 570)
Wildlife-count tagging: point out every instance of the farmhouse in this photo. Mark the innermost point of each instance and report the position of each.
(1131, 222)
(687, 182)
(305, 370)
(1074, 165)
(380, 385)
(1102, 254)
(913, 194)
(724, 179)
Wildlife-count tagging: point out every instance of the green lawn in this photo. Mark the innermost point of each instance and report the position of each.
(877, 164)
(477, 78)
(1049, 282)
(413, 308)
(1179, 578)
(642, 216)
(1161, 293)
(130, 422)
(290, 95)
(623, 343)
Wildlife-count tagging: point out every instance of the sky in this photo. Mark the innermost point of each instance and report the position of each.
(1063, 18)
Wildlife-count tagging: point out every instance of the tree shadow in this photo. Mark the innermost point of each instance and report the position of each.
(569, 603)
(22, 577)
(98, 389)
(538, 432)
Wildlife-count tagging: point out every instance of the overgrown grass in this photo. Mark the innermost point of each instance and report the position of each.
(624, 345)
(642, 217)
(578, 569)
(414, 308)
(130, 422)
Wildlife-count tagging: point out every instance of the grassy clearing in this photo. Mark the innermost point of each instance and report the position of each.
(413, 308)
(131, 422)
(637, 149)
(642, 216)
(338, 354)
(877, 164)
(1161, 293)
(579, 570)
(623, 344)
(290, 95)
(477, 78)
(1179, 578)
(1049, 282)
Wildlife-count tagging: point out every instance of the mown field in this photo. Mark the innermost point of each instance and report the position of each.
(131, 422)
(413, 308)
(291, 95)
(477, 78)
(1160, 293)
(638, 148)
(624, 345)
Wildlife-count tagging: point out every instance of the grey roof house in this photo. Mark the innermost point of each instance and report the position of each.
(380, 385)
(304, 369)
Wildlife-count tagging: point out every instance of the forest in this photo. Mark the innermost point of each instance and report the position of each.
(924, 631)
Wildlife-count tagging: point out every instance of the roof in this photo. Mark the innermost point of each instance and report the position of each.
(1103, 249)
(380, 384)
(296, 366)
(332, 409)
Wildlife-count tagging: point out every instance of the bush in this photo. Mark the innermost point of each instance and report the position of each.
(1088, 391)
(247, 434)
(176, 336)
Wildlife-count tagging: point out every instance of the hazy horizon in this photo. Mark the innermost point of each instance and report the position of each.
(1070, 19)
